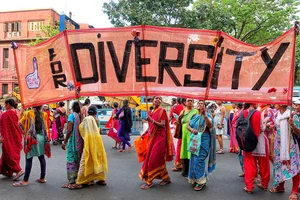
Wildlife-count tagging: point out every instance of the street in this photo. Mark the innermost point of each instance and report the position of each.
(123, 181)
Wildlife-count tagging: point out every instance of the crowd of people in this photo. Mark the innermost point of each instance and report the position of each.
(263, 137)
(86, 161)
(267, 124)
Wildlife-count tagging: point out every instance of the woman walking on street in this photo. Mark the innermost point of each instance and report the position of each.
(115, 127)
(201, 125)
(185, 116)
(12, 142)
(59, 123)
(160, 147)
(74, 144)
(93, 163)
(234, 146)
(125, 118)
(220, 125)
(286, 161)
(34, 124)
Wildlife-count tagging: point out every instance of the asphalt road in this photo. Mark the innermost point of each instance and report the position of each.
(123, 181)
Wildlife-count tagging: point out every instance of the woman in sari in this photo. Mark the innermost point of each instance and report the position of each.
(74, 144)
(12, 142)
(93, 163)
(160, 147)
(58, 123)
(36, 144)
(234, 146)
(125, 118)
(115, 127)
(185, 117)
(198, 171)
(286, 158)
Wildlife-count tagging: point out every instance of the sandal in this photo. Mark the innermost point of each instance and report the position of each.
(293, 196)
(175, 169)
(114, 147)
(199, 187)
(91, 183)
(19, 174)
(164, 182)
(248, 191)
(145, 186)
(74, 187)
(276, 190)
(65, 185)
(129, 148)
(7, 175)
(38, 180)
(220, 151)
(121, 150)
(103, 182)
(262, 187)
(242, 175)
(20, 184)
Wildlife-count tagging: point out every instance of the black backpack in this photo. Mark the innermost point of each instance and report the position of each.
(245, 136)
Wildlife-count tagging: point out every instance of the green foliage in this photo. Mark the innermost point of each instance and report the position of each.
(253, 21)
(48, 31)
(150, 12)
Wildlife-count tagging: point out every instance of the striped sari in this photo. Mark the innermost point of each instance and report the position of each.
(160, 149)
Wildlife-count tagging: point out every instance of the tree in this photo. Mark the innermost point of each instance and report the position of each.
(253, 21)
(150, 12)
(48, 31)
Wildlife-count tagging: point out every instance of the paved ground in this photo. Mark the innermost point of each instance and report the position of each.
(123, 182)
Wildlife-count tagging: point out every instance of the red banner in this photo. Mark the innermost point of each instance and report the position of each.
(200, 64)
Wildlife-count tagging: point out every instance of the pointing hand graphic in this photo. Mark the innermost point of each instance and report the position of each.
(32, 79)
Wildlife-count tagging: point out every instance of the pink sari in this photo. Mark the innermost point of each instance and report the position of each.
(160, 149)
(115, 125)
(55, 132)
(234, 146)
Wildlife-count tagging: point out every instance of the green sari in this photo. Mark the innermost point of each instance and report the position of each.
(184, 154)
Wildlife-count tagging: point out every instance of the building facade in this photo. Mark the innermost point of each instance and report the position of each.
(22, 27)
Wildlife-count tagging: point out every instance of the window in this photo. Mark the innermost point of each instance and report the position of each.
(4, 89)
(5, 57)
(12, 29)
(35, 25)
(16, 87)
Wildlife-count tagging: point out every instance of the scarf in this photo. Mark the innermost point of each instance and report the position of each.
(282, 122)
(27, 123)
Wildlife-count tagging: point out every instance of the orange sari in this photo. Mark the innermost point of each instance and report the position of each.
(160, 149)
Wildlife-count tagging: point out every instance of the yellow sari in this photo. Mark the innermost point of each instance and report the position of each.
(93, 164)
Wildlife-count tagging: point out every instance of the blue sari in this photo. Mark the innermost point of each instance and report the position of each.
(205, 163)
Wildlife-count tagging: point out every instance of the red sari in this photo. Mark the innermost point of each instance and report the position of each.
(11, 143)
(160, 149)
